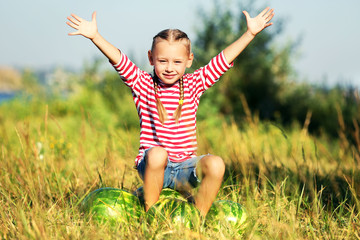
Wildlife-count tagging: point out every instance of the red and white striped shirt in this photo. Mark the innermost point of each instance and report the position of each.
(179, 139)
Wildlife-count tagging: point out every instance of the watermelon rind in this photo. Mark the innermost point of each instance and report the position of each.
(170, 193)
(166, 193)
(173, 212)
(226, 215)
(111, 205)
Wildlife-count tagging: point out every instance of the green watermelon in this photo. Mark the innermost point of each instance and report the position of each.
(226, 215)
(174, 213)
(111, 205)
(170, 193)
(167, 193)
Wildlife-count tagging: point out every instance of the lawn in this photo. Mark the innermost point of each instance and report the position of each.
(54, 152)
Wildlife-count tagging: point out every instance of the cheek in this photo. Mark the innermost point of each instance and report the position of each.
(181, 69)
(158, 69)
(161, 66)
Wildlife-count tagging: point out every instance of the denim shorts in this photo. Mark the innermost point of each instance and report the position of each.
(177, 174)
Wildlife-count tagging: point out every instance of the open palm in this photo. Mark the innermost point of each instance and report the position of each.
(86, 28)
(260, 22)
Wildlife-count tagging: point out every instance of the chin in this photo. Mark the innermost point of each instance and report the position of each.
(169, 81)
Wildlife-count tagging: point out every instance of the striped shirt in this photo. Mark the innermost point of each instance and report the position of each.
(179, 139)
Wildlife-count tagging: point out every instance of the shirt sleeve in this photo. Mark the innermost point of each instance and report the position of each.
(208, 75)
(128, 72)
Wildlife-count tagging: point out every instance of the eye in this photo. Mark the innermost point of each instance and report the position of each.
(178, 62)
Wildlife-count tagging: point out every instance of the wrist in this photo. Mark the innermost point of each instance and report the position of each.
(250, 34)
(95, 37)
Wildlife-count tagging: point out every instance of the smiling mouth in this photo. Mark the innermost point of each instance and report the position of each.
(169, 76)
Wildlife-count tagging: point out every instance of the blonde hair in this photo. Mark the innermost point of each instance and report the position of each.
(170, 35)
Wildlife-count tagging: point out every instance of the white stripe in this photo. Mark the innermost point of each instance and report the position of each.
(190, 136)
(173, 147)
(179, 128)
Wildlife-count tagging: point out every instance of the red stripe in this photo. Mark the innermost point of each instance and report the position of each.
(122, 60)
(149, 130)
(214, 68)
(173, 141)
(189, 146)
(224, 63)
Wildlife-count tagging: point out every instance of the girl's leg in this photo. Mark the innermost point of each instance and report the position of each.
(156, 161)
(212, 169)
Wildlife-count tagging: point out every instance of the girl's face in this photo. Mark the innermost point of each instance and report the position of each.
(170, 60)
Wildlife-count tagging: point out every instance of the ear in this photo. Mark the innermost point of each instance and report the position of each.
(151, 60)
(190, 60)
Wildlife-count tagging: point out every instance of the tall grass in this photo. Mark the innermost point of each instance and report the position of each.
(53, 153)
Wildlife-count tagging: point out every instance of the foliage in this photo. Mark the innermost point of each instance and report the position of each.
(263, 79)
(259, 73)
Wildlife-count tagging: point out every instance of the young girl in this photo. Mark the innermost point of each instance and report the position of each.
(167, 101)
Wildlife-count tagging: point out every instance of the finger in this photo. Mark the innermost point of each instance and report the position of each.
(269, 13)
(264, 11)
(73, 25)
(74, 21)
(268, 25)
(74, 33)
(270, 17)
(94, 16)
(246, 14)
(77, 17)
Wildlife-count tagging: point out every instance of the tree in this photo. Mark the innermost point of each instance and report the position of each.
(260, 73)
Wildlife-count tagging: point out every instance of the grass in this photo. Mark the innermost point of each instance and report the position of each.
(53, 153)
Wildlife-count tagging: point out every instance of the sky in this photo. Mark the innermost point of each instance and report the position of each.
(34, 34)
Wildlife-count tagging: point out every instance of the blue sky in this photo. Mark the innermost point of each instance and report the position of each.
(34, 33)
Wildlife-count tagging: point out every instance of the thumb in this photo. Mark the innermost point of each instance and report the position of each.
(246, 14)
(94, 16)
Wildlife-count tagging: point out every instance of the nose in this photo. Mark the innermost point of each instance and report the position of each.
(169, 67)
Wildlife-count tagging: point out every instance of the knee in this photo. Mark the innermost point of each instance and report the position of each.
(156, 158)
(213, 166)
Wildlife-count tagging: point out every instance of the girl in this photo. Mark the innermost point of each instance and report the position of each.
(167, 101)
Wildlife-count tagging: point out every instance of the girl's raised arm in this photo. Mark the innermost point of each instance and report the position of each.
(254, 26)
(89, 30)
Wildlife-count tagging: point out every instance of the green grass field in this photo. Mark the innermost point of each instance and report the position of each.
(53, 153)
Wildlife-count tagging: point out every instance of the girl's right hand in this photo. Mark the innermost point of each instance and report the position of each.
(86, 28)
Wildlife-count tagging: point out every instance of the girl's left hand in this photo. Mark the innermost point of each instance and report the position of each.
(260, 22)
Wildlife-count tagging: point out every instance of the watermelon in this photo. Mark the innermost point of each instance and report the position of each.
(226, 215)
(174, 213)
(111, 205)
(170, 193)
(167, 193)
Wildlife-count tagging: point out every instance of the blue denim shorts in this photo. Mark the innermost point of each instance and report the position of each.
(176, 174)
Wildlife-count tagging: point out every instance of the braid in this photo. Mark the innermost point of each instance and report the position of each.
(163, 116)
(160, 107)
(177, 113)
